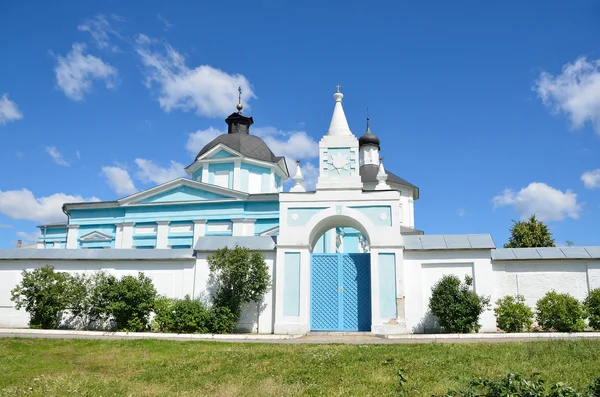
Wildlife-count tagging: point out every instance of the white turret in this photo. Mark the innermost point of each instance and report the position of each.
(369, 147)
(298, 180)
(338, 153)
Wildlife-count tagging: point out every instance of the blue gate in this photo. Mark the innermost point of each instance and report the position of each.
(340, 292)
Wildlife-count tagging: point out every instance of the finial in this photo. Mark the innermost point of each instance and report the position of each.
(298, 180)
(239, 106)
(338, 87)
(381, 177)
(368, 121)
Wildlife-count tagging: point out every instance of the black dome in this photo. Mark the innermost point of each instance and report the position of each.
(248, 145)
(368, 138)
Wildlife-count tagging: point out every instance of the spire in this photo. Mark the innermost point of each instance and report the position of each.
(339, 124)
(298, 180)
(382, 177)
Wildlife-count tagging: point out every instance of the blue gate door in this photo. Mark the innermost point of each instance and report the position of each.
(340, 292)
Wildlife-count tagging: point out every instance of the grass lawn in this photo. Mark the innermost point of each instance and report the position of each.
(49, 367)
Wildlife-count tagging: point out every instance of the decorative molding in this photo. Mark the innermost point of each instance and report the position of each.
(95, 237)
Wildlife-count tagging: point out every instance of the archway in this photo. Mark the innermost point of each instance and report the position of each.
(340, 283)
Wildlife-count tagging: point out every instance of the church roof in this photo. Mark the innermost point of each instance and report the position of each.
(368, 173)
(248, 145)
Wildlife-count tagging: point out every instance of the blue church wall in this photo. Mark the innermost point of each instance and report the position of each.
(212, 168)
(52, 235)
(262, 225)
(183, 193)
(178, 212)
(197, 175)
(215, 227)
(181, 239)
(264, 172)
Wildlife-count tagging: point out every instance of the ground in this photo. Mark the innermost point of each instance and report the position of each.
(169, 368)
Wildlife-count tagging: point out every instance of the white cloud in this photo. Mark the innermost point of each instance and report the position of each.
(591, 179)
(76, 71)
(29, 237)
(101, 31)
(148, 171)
(119, 180)
(78, 155)
(197, 140)
(546, 202)
(168, 25)
(9, 111)
(22, 204)
(295, 144)
(575, 92)
(5, 226)
(56, 156)
(206, 90)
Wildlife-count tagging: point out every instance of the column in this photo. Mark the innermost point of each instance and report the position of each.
(127, 235)
(199, 229)
(72, 236)
(162, 234)
(238, 227)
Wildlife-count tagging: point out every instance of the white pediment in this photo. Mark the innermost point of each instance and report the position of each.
(95, 236)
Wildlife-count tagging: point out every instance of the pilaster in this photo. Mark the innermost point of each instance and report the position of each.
(237, 182)
(72, 236)
(127, 235)
(162, 234)
(199, 229)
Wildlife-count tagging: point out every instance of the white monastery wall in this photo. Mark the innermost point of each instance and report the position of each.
(174, 279)
(422, 269)
(534, 278)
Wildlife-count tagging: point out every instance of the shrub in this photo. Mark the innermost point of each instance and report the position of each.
(129, 301)
(185, 315)
(560, 312)
(222, 320)
(592, 304)
(240, 276)
(513, 315)
(44, 293)
(456, 306)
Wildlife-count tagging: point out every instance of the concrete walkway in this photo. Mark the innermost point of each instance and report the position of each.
(314, 337)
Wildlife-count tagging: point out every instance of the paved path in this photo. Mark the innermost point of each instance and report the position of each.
(314, 338)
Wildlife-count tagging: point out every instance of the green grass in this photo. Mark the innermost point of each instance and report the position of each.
(52, 367)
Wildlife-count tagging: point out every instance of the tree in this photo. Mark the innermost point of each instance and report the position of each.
(529, 233)
(241, 276)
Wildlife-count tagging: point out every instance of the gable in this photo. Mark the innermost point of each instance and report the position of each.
(95, 236)
(183, 193)
(221, 154)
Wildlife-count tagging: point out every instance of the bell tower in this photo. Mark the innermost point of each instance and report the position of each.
(339, 167)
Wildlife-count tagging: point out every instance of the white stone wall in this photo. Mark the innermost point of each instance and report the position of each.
(174, 279)
(534, 278)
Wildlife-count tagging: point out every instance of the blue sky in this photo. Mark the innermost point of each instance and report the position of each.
(491, 108)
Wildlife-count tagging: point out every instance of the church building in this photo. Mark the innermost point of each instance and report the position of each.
(345, 257)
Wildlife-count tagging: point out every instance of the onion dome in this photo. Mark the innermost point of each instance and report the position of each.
(368, 138)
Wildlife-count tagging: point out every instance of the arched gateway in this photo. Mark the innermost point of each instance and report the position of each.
(324, 286)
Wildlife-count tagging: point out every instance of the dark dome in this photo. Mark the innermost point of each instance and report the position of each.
(248, 145)
(368, 138)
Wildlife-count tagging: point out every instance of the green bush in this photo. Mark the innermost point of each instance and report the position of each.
(128, 301)
(222, 320)
(560, 312)
(240, 276)
(513, 315)
(592, 304)
(43, 293)
(456, 306)
(182, 316)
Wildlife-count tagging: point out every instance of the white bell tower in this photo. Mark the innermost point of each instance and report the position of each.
(339, 166)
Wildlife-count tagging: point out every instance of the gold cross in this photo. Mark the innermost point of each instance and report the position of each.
(338, 87)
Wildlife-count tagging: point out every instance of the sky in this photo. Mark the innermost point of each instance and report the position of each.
(491, 108)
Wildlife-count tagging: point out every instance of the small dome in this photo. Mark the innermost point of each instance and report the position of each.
(368, 138)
